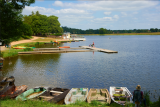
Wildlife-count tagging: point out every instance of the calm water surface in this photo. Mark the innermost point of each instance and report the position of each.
(137, 62)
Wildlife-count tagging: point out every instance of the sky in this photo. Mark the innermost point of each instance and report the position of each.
(95, 14)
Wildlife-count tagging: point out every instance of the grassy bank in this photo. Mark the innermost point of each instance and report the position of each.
(40, 103)
(150, 33)
(13, 52)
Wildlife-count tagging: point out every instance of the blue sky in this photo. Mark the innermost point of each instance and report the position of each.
(95, 14)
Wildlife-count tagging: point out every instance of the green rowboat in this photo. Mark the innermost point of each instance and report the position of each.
(31, 93)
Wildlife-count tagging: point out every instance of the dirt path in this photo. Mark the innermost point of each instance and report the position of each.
(2, 48)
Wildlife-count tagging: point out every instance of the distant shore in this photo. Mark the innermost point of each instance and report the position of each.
(150, 33)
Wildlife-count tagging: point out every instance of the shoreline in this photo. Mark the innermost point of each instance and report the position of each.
(150, 33)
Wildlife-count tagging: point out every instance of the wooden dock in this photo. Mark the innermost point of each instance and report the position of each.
(55, 51)
(99, 49)
(67, 50)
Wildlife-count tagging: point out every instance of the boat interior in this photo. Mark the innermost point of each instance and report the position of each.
(120, 94)
(77, 94)
(51, 93)
(100, 95)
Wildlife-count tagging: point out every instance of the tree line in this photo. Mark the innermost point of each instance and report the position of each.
(107, 31)
(13, 25)
(41, 24)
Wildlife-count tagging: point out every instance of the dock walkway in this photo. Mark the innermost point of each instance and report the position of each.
(99, 49)
(66, 50)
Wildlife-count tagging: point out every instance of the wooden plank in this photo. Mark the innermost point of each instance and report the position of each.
(56, 92)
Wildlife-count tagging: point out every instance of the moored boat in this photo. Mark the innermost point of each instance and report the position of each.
(75, 94)
(6, 82)
(120, 95)
(54, 95)
(31, 93)
(101, 95)
(21, 47)
(13, 91)
(65, 47)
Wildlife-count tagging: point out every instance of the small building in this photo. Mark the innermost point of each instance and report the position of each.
(66, 35)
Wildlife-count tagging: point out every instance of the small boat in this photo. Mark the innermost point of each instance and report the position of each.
(13, 91)
(75, 94)
(21, 47)
(120, 95)
(8, 89)
(6, 82)
(31, 93)
(54, 95)
(65, 47)
(101, 95)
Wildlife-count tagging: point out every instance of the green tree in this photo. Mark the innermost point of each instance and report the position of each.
(102, 31)
(152, 29)
(54, 25)
(11, 19)
(27, 30)
(156, 30)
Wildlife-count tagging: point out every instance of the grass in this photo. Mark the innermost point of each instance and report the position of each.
(13, 52)
(149, 33)
(39, 103)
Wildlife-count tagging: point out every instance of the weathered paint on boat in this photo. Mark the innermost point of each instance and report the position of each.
(120, 95)
(101, 95)
(31, 93)
(76, 94)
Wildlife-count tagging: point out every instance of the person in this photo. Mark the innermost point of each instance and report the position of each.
(93, 44)
(138, 96)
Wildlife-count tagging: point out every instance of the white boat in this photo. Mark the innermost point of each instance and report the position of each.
(120, 95)
(75, 94)
(101, 95)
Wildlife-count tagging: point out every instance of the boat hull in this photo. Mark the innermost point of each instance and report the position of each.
(120, 95)
(76, 94)
(31, 93)
(101, 95)
(54, 95)
(65, 47)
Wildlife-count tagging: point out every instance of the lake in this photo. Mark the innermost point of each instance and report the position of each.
(137, 62)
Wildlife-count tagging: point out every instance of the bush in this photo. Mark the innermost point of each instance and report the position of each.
(28, 49)
(58, 34)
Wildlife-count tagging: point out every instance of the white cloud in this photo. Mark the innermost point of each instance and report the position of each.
(107, 13)
(135, 13)
(51, 11)
(106, 19)
(58, 3)
(109, 5)
(124, 14)
(116, 17)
